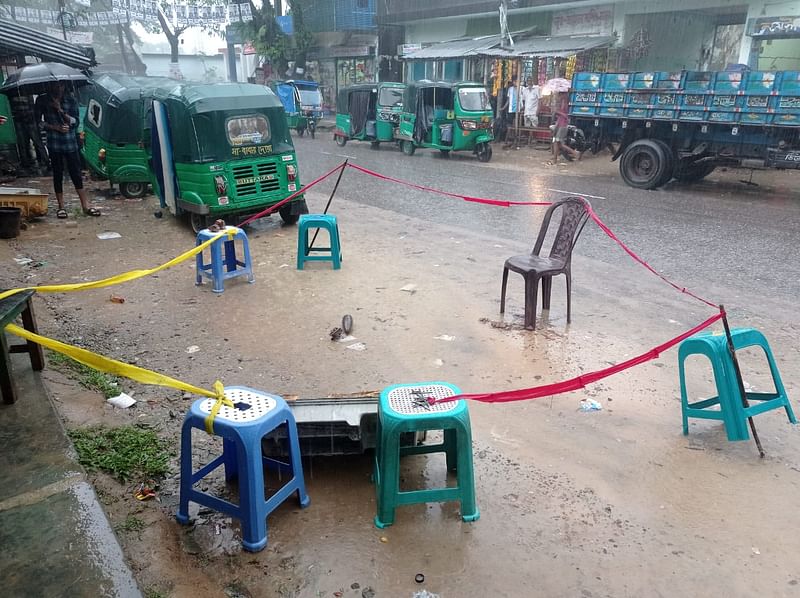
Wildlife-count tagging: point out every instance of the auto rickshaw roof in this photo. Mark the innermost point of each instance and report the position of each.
(121, 87)
(299, 82)
(201, 97)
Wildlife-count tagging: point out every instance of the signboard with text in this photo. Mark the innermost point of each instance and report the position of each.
(775, 27)
(593, 20)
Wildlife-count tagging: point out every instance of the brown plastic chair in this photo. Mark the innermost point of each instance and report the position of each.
(574, 213)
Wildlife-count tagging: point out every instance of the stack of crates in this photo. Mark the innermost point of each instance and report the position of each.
(748, 98)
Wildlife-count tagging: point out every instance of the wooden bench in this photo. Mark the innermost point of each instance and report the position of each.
(17, 304)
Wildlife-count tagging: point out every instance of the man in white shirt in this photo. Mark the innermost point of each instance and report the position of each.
(530, 100)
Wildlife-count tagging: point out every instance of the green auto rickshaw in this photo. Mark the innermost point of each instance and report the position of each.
(223, 150)
(448, 117)
(302, 101)
(116, 129)
(368, 112)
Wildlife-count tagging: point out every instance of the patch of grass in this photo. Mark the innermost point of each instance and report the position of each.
(153, 593)
(87, 377)
(127, 452)
(131, 524)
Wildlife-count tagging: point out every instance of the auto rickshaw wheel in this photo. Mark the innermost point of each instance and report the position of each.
(301, 131)
(445, 153)
(287, 216)
(484, 152)
(198, 222)
(408, 148)
(133, 190)
(376, 145)
(340, 140)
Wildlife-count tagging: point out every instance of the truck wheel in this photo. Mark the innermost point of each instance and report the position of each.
(133, 190)
(691, 172)
(643, 164)
(340, 140)
(376, 145)
(669, 169)
(286, 212)
(408, 148)
(198, 221)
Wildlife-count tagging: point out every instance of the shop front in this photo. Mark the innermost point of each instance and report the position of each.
(775, 43)
(340, 66)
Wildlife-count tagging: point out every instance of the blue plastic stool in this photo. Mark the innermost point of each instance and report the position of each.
(227, 265)
(403, 408)
(333, 253)
(242, 427)
(731, 411)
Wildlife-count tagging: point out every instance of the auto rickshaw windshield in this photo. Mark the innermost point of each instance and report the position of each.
(473, 99)
(310, 97)
(250, 129)
(391, 97)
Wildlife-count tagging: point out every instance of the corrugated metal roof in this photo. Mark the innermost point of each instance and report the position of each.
(17, 39)
(524, 46)
(564, 45)
(457, 48)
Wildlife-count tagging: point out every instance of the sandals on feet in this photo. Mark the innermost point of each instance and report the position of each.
(92, 212)
(61, 213)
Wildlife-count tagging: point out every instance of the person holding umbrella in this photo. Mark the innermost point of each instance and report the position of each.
(560, 108)
(60, 113)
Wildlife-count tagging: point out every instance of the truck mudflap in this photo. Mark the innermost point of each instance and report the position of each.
(777, 158)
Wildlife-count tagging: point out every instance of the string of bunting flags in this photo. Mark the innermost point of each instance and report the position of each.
(180, 14)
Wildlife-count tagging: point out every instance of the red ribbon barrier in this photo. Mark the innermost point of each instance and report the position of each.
(578, 382)
(492, 202)
(278, 205)
(507, 204)
(636, 258)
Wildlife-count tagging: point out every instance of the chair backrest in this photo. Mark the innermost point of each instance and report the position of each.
(574, 214)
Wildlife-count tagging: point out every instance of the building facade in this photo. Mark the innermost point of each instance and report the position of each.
(345, 44)
(648, 35)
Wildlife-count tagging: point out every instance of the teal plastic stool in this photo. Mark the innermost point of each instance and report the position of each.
(332, 254)
(404, 408)
(731, 411)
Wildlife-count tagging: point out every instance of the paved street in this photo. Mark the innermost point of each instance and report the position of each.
(720, 236)
(607, 503)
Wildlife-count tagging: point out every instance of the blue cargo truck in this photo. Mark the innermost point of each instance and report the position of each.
(685, 124)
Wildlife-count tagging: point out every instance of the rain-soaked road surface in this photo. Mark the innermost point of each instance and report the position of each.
(720, 236)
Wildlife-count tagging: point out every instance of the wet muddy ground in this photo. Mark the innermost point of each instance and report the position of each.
(608, 503)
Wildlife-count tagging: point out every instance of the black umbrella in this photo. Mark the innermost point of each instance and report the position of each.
(35, 78)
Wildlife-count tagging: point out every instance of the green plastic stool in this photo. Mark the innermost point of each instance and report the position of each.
(404, 408)
(731, 411)
(332, 254)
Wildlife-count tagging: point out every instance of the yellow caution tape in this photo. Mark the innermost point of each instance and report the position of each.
(118, 368)
(125, 276)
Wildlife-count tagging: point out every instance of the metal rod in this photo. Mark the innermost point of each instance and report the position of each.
(330, 199)
(739, 381)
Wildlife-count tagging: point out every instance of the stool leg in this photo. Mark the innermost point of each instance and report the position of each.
(776, 380)
(252, 506)
(6, 384)
(199, 267)
(466, 475)
(336, 249)
(297, 462)
(216, 267)
(34, 349)
(186, 473)
(451, 449)
(230, 256)
(684, 397)
(389, 472)
(302, 245)
(229, 460)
